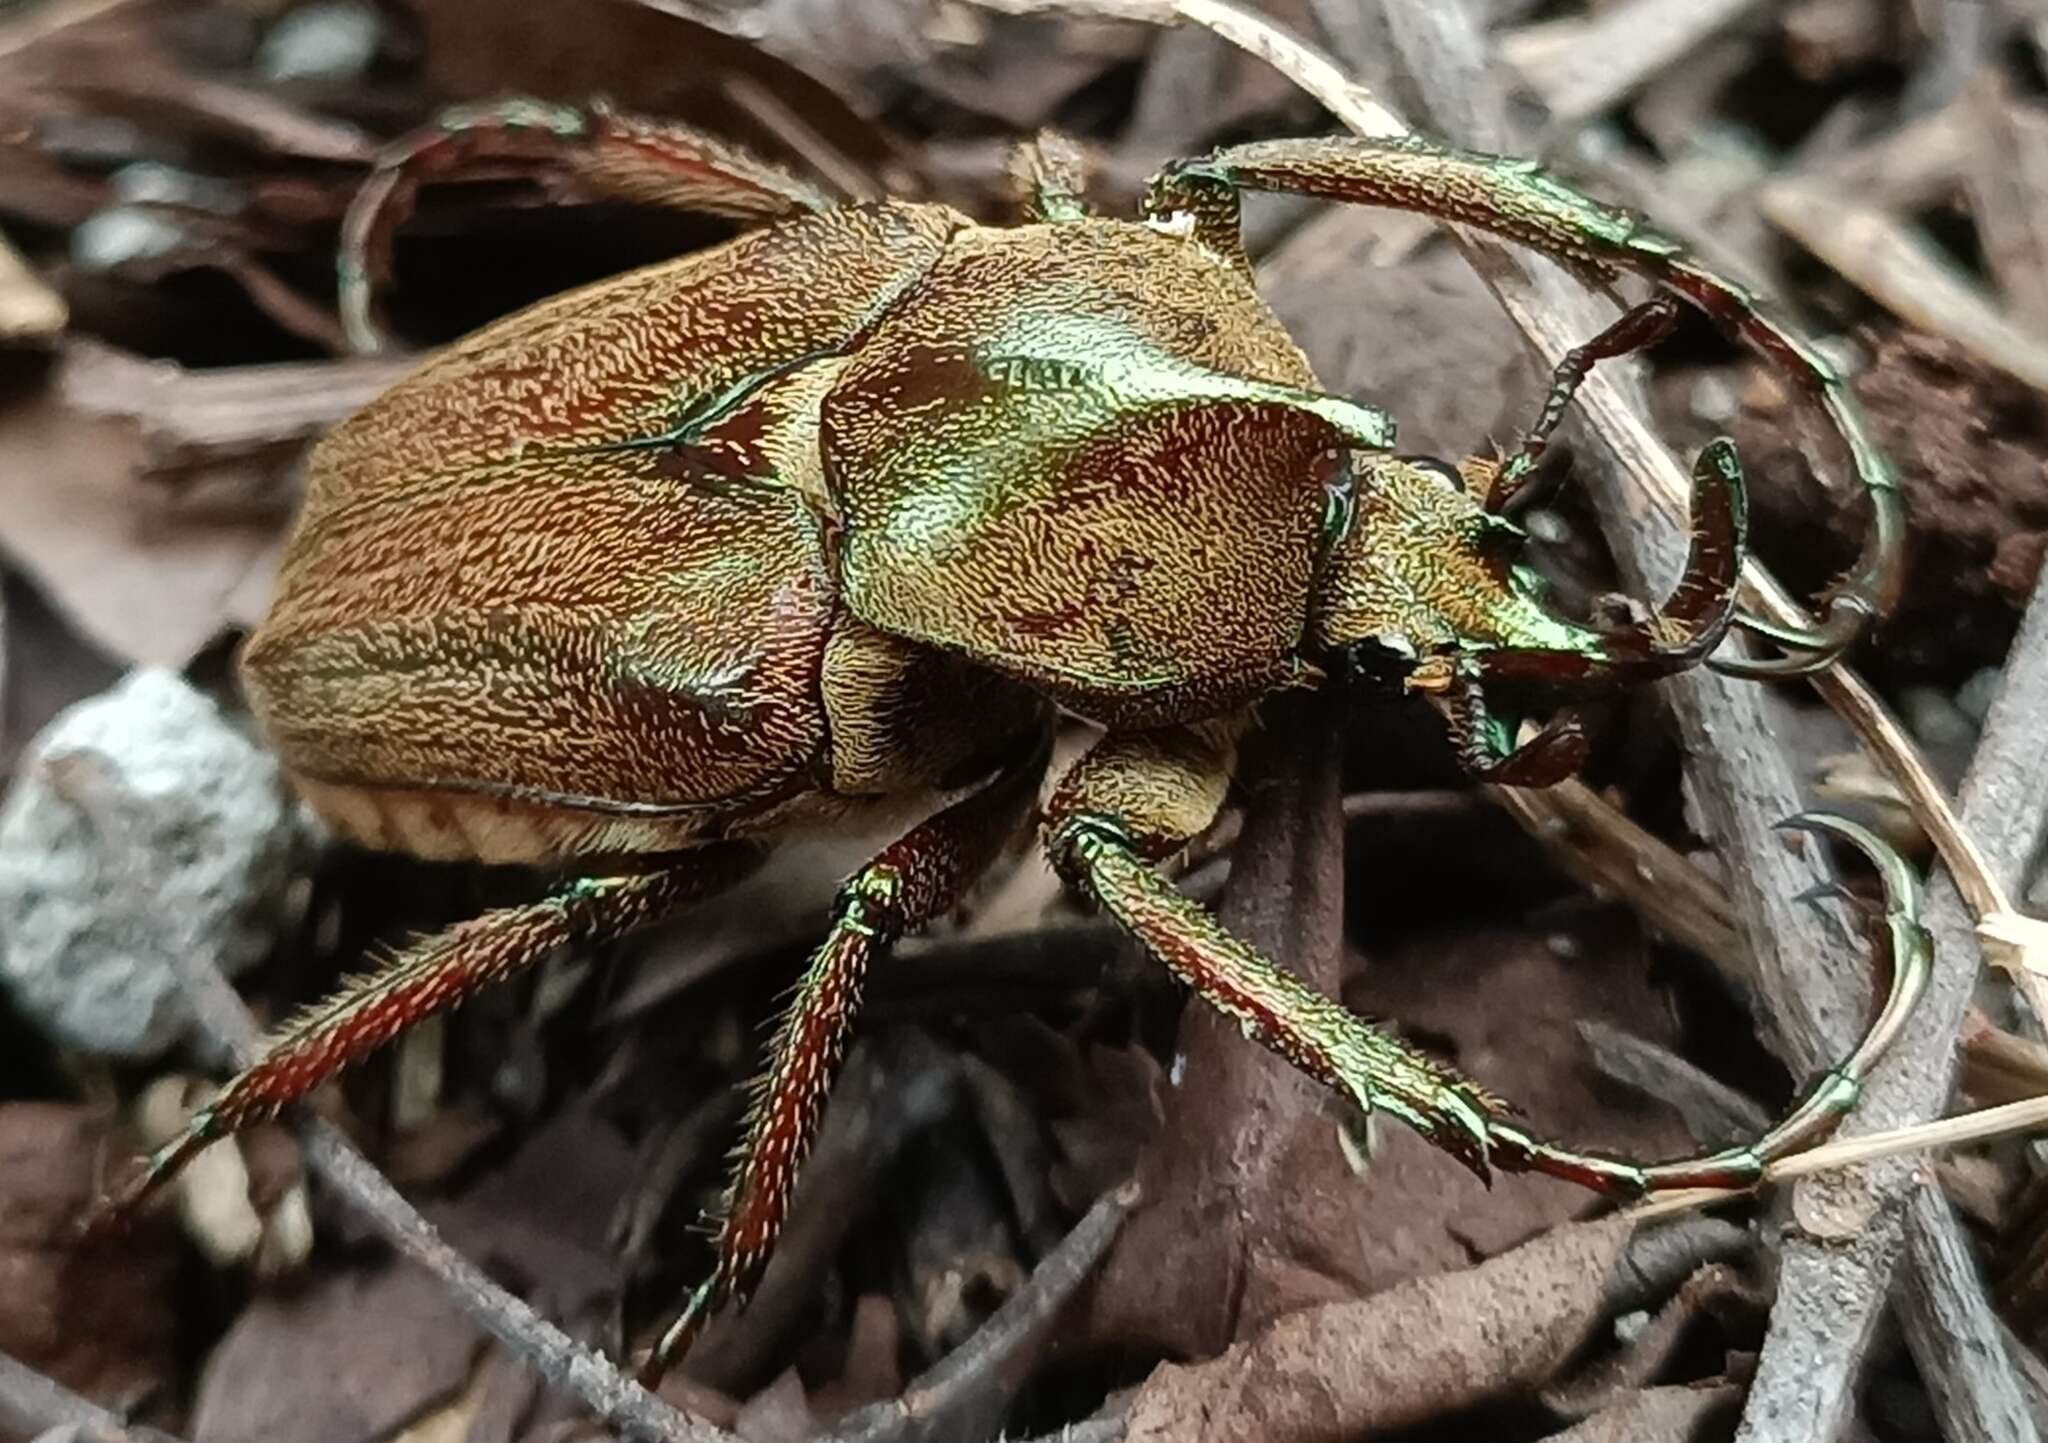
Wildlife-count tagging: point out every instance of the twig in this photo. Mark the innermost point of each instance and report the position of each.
(962, 1393)
(1611, 855)
(1581, 67)
(1714, 1113)
(1838, 1270)
(1430, 1346)
(33, 1404)
(2029, 1114)
(194, 418)
(565, 1363)
(1902, 271)
(2006, 174)
(32, 27)
(2005, 801)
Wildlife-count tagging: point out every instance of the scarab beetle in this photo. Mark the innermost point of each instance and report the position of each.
(828, 522)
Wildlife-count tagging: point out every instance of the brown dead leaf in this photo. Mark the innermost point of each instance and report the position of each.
(779, 1413)
(1426, 1348)
(137, 578)
(347, 1360)
(657, 59)
(100, 1319)
(1505, 1003)
(543, 1221)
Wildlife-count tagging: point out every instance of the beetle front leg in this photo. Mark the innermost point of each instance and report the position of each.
(1556, 752)
(1639, 328)
(1126, 804)
(1137, 798)
(1822, 1107)
(913, 880)
(1515, 199)
(604, 151)
(427, 978)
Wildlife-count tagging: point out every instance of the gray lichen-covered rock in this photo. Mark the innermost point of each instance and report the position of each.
(142, 828)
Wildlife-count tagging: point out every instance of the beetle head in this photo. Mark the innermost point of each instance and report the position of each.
(1427, 592)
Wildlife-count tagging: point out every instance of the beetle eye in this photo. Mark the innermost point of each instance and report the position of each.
(1442, 470)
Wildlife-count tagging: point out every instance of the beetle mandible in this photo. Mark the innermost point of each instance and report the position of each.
(826, 523)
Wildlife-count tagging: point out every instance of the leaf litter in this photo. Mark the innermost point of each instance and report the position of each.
(174, 194)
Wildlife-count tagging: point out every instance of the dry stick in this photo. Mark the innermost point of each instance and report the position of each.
(1615, 857)
(1837, 1272)
(2029, 1114)
(954, 1395)
(1612, 855)
(2004, 802)
(565, 1363)
(1582, 66)
(1905, 271)
(33, 1404)
(190, 419)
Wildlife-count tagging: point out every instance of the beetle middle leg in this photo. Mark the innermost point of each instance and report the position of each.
(1514, 199)
(601, 150)
(915, 879)
(427, 978)
(1140, 796)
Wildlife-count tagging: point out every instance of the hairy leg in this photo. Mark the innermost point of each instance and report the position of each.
(1128, 803)
(1514, 199)
(596, 149)
(427, 978)
(916, 878)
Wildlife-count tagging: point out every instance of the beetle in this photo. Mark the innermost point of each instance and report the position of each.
(826, 525)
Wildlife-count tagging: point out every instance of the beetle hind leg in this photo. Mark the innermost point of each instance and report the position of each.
(918, 877)
(1516, 200)
(597, 149)
(427, 978)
